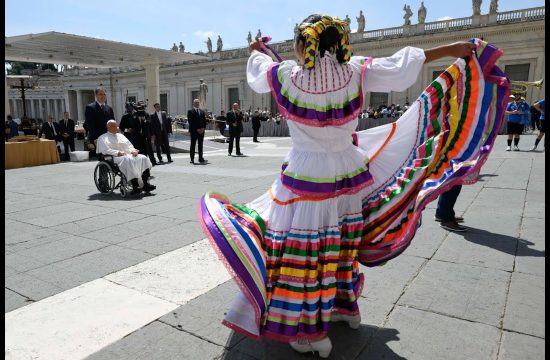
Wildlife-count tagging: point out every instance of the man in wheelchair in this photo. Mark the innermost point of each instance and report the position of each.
(126, 157)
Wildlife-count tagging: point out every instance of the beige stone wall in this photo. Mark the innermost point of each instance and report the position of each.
(521, 40)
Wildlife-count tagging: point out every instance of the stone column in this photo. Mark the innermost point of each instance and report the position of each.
(152, 92)
(79, 106)
(177, 100)
(55, 110)
(67, 104)
(30, 110)
(11, 107)
(36, 108)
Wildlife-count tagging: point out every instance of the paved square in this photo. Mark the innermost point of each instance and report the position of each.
(143, 283)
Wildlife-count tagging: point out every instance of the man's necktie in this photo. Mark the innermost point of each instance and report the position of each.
(53, 130)
(102, 108)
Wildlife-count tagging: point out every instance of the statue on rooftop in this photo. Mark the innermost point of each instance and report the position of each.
(422, 13)
(249, 38)
(209, 45)
(360, 22)
(259, 34)
(347, 19)
(408, 14)
(219, 44)
(493, 8)
(175, 47)
(182, 48)
(476, 6)
(203, 90)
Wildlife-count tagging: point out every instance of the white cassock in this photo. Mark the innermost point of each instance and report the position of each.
(131, 166)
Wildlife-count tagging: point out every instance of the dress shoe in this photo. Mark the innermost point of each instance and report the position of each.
(135, 191)
(323, 346)
(354, 321)
(240, 154)
(148, 187)
(160, 161)
(458, 219)
(170, 161)
(192, 161)
(202, 161)
(452, 226)
(228, 154)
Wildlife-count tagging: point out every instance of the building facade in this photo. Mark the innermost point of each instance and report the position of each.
(520, 33)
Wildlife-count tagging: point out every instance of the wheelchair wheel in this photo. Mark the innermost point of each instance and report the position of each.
(104, 178)
(124, 187)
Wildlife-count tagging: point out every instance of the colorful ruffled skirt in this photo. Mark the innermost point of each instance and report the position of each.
(296, 258)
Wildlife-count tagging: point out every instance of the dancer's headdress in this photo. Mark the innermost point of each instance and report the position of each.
(312, 32)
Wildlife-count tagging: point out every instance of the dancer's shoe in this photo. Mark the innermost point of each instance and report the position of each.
(323, 346)
(354, 321)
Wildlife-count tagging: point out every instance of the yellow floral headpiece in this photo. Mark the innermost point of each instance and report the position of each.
(312, 32)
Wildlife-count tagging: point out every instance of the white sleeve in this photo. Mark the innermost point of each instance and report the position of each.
(256, 71)
(103, 147)
(394, 73)
(123, 139)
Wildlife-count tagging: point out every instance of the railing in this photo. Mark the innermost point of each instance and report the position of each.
(383, 33)
(451, 24)
(521, 15)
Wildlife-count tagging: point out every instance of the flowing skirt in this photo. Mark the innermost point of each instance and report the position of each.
(296, 258)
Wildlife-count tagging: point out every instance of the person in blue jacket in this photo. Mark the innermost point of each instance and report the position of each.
(539, 105)
(515, 111)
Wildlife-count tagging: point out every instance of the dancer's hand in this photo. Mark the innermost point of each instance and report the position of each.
(255, 45)
(460, 49)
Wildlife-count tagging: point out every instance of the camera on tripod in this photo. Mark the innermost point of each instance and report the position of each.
(138, 108)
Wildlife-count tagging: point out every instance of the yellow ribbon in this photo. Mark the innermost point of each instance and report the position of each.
(312, 32)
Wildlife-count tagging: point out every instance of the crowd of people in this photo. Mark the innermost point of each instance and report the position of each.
(383, 111)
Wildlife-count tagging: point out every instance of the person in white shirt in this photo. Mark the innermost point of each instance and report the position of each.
(130, 162)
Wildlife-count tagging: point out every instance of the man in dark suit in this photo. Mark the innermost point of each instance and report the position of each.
(12, 128)
(256, 124)
(50, 130)
(97, 114)
(197, 123)
(162, 127)
(66, 128)
(127, 121)
(142, 130)
(235, 122)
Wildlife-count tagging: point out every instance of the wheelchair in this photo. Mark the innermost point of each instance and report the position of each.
(105, 177)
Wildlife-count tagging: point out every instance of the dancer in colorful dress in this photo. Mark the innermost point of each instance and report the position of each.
(345, 198)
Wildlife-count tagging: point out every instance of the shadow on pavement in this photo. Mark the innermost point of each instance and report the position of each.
(502, 242)
(347, 344)
(481, 176)
(117, 197)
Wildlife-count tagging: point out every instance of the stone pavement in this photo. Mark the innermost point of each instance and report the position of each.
(102, 278)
